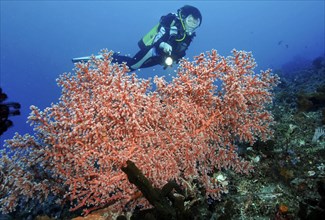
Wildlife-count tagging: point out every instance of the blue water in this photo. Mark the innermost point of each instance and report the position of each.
(39, 38)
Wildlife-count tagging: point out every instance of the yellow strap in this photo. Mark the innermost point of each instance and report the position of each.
(180, 17)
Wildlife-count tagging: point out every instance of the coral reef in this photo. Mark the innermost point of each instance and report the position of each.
(288, 181)
(186, 130)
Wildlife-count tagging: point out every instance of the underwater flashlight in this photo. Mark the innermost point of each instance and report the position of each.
(169, 61)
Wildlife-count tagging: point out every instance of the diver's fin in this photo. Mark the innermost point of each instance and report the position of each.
(85, 59)
(80, 59)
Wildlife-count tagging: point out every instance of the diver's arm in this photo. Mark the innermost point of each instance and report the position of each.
(181, 49)
(164, 29)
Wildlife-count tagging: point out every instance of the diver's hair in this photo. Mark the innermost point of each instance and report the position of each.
(187, 10)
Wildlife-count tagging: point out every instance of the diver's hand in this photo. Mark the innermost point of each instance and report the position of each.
(166, 47)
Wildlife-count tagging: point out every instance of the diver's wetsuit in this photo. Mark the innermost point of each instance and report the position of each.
(171, 31)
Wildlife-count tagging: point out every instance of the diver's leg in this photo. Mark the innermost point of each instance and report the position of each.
(145, 58)
(117, 58)
(137, 61)
(152, 61)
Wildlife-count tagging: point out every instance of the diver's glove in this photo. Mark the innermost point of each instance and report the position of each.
(166, 47)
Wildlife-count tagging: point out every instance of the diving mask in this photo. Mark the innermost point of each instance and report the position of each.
(191, 24)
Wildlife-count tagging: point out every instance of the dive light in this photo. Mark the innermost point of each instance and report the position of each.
(168, 61)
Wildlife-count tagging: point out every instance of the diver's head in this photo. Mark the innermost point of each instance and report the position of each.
(191, 18)
(191, 24)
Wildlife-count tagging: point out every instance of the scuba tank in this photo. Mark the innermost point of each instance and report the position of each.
(148, 39)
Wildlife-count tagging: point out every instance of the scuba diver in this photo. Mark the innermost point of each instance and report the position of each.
(165, 44)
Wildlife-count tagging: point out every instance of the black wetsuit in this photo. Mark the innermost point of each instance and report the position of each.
(172, 32)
